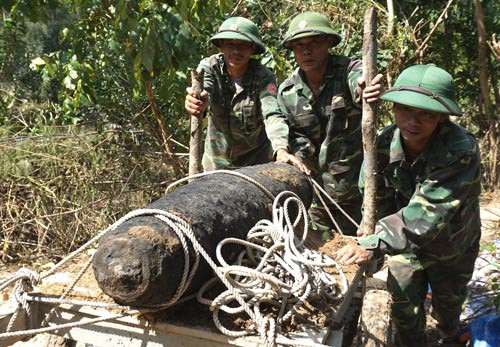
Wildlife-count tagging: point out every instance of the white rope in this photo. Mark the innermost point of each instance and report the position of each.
(320, 191)
(67, 291)
(22, 333)
(58, 301)
(299, 270)
(217, 172)
(24, 281)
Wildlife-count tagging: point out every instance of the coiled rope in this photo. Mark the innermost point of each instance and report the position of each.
(279, 271)
(298, 269)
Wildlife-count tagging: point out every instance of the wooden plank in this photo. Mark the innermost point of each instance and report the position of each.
(353, 287)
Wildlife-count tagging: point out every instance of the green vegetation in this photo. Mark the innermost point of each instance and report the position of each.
(92, 96)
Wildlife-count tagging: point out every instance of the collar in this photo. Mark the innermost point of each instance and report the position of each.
(396, 153)
(247, 76)
(436, 153)
(329, 74)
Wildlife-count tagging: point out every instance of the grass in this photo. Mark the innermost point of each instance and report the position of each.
(60, 188)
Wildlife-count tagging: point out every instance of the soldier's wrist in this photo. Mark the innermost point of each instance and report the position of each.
(278, 150)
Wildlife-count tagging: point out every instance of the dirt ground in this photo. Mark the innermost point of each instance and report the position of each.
(87, 288)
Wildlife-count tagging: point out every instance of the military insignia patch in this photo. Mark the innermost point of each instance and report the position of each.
(302, 24)
(272, 89)
(234, 26)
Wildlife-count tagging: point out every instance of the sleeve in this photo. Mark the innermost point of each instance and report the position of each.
(208, 76)
(354, 71)
(431, 208)
(274, 120)
(215, 156)
(300, 144)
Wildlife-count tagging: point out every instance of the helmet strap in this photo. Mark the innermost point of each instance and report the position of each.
(239, 32)
(297, 32)
(425, 92)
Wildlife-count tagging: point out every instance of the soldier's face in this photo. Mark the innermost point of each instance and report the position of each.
(237, 53)
(416, 125)
(311, 53)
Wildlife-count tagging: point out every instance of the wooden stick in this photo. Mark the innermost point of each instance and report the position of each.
(369, 122)
(195, 140)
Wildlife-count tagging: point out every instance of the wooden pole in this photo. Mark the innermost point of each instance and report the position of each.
(369, 122)
(195, 139)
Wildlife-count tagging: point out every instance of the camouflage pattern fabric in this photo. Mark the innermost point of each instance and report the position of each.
(325, 133)
(430, 206)
(408, 280)
(428, 217)
(241, 121)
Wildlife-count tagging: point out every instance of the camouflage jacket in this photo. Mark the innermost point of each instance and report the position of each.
(429, 207)
(238, 120)
(325, 131)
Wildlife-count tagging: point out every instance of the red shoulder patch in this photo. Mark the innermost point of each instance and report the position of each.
(272, 89)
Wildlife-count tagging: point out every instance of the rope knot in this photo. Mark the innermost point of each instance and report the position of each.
(32, 276)
(26, 280)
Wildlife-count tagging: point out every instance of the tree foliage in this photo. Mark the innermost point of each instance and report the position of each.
(121, 66)
(108, 50)
(79, 60)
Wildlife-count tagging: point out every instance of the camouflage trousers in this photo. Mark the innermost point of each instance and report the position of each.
(408, 280)
(320, 220)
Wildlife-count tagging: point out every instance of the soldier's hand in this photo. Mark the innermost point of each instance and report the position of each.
(284, 157)
(352, 254)
(194, 105)
(372, 92)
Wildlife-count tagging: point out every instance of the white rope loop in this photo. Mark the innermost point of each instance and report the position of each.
(274, 268)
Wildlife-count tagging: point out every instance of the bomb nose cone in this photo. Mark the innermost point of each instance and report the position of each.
(125, 268)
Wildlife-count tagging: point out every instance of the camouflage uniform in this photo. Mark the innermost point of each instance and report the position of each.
(325, 133)
(428, 218)
(241, 121)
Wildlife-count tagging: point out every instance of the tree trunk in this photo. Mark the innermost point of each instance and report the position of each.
(195, 139)
(369, 122)
(389, 34)
(390, 18)
(141, 262)
(154, 107)
(485, 88)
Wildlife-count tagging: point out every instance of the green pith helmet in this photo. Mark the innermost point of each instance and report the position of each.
(309, 24)
(427, 87)
(239, 28)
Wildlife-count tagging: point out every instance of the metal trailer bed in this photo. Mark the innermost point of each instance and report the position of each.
(132, 331)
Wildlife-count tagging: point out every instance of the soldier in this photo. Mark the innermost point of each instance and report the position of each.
(322, 100)
(245, 125)
(427, 204)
